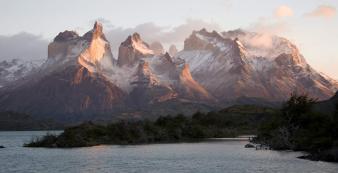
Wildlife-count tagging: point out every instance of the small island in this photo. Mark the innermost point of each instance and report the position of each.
(230, 122)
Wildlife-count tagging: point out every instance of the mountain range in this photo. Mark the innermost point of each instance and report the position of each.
(82, 80)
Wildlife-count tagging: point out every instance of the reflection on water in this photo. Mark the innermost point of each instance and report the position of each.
(216, 156)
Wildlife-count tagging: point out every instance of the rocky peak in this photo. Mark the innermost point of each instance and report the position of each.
(204, 40)
(95, 33)
(144, 76)
(239, 47)
(64, 45)
(133, 39)
(193, 42)
(97, 30)
(213, 34)
(132, 50)
(233, 33)
(98, 27)
(203, 30)
(66, 36)
(286, 53)
(97, 56)
(139, 45)
(164, 65)
(168, 57)
(236, 40)
(263, 45)
(239, 58)
(136, 37)
(91, 51)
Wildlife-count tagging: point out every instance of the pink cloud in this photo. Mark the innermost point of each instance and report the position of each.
(283, 11)
(269, 26)
(325, 11)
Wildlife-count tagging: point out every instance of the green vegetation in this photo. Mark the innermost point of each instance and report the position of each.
(229, 122)
(298, 127)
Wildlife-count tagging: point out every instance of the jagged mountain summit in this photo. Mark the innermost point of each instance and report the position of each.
(81, 80)
(92, 50)
(132, 49)
(157, 77)
(70, 82)
(238, 64)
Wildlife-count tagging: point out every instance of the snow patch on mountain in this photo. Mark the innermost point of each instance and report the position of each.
(237, 64)
(15, 69)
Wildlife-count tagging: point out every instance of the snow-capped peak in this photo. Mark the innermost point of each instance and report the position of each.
(132, 50)
(204, 40)
(91, 51)
(251, 64)
(139, 45)
(262, 44)
(230, 65)
(98, 54)
(98, 27)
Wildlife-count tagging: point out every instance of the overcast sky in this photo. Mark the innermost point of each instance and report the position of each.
(28, 25)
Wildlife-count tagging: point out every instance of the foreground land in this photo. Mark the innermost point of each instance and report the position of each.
(296, 126)
(300, 127)
(229, 122)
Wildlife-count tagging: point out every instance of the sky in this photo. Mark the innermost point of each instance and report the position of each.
(27, 26)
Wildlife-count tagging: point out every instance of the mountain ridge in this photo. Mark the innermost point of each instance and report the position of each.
(81, 77)
(240, 69)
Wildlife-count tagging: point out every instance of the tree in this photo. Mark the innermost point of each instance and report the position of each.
(335, 122)
(296, 107)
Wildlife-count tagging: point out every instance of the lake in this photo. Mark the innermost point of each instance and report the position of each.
(215, 156)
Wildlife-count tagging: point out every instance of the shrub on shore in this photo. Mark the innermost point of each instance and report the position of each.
(165, 129)
(298, 127)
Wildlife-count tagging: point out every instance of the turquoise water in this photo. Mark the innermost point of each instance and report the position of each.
(216, 156)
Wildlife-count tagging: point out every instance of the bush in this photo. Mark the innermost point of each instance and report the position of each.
(298, 127)
(164, 129)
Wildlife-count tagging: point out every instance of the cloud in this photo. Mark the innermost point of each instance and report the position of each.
(29, 46)
(324, 11)
(260, 40)
(151, 32)
(283, 11)
(269, 26)
(23, 46)
(266, 28)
